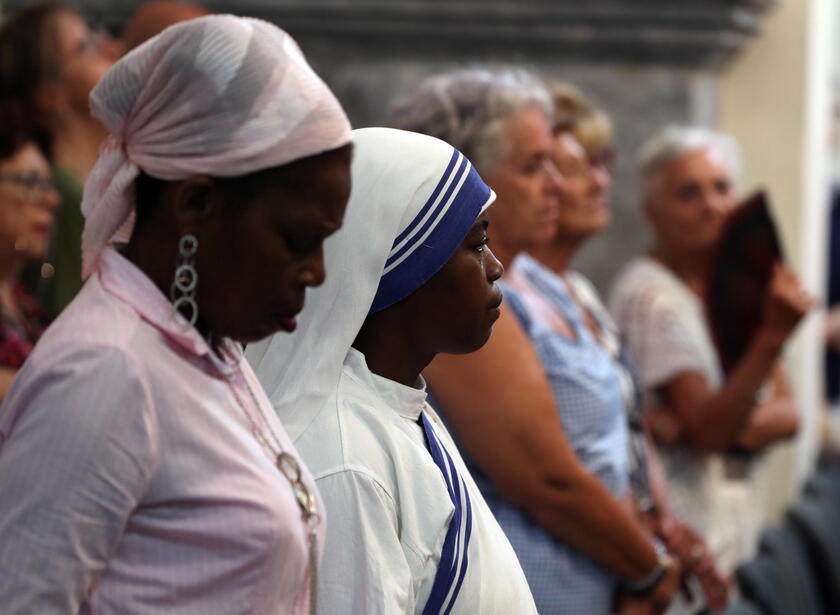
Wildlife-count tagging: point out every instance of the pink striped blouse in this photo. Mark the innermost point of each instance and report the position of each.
(130, 479)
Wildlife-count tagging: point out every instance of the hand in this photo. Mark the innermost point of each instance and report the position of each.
(660, 598)
(696, 559)
(663, 425)
(785, 304)
(629, 605)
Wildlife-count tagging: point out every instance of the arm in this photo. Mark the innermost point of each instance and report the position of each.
(364, 570)
(773, 420)
(714, 421)
(7, 376)
(78, 455)
(502, 408)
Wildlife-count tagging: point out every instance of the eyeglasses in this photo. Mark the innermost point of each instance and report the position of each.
(604, 158)
(33, 187)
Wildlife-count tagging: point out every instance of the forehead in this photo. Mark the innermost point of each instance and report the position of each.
(567, 147)
(27, 159)
(69, 29)
(315, 193)
(706, 163)
(528, 133)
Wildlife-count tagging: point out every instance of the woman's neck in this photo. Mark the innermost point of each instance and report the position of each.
(391, 352)
(557, 255)
(76, 141)
(690, 267)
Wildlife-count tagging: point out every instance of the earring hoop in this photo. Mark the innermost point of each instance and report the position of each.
(182, 291)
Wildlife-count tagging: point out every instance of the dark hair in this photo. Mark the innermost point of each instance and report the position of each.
(29, 54)
(18, 128)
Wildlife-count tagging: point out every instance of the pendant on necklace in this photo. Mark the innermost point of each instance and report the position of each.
(290, 468)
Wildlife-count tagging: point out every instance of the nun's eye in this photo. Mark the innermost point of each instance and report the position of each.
(480, 247)
(302, 244)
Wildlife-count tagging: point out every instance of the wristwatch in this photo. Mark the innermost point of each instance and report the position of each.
(651, 581)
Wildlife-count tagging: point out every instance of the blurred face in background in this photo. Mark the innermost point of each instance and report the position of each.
(583, 190)
(526, 184)
(27, 204)
(81, 60)
(689, 200)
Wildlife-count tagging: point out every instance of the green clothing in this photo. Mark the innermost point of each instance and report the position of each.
(57, 279)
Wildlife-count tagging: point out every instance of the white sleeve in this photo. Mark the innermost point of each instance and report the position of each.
(657, 335)
(77, 450)
(364, 570)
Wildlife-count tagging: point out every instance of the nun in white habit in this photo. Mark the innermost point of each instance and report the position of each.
(410, 276)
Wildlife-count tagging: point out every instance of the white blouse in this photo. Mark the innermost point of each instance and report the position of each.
(389, 507)
(663, 324)
(130, 479)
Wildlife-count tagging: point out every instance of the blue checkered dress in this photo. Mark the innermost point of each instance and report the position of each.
(590, 399)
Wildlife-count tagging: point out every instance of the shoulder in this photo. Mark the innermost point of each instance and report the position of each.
(95, 318)
(356, 434)
(643, 285)
(641, 271)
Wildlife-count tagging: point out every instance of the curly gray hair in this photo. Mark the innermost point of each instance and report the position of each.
(673, 142)
(469, 109)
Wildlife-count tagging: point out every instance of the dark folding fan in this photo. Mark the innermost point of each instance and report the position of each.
(738, 278)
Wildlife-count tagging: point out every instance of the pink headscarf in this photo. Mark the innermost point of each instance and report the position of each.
(222, 96)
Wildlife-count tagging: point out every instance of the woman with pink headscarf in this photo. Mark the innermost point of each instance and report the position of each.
(141, 465)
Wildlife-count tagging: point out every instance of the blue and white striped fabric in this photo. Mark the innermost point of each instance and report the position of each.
(434, 234)
(454, 556)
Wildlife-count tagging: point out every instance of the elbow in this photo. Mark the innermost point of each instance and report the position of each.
(549, 494)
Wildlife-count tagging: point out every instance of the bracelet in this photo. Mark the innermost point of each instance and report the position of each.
(649, 583)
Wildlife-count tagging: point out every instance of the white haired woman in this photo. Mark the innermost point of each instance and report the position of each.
(557, 491)
(141, 465)
(689, 182)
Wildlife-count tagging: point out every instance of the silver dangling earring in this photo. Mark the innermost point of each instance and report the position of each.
(182, 291)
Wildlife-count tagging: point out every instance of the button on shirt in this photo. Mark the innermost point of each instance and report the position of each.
(131, 480)
(389, 507)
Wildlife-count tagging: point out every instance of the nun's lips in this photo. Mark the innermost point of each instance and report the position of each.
(287, 320)
(497, 299)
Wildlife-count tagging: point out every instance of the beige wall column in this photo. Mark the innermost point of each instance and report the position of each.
(774, 99)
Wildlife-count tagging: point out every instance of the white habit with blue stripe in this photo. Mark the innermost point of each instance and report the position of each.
(390, 509)
(388, 502)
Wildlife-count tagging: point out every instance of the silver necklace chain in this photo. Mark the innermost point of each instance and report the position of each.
(291, 470)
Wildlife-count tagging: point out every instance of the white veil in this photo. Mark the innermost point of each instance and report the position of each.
(414, 199)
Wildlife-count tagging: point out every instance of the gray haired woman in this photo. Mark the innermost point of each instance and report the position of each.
(689, 178)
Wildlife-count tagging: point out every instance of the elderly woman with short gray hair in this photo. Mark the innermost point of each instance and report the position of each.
(575, 538)
(689, 178)
(498, 120)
